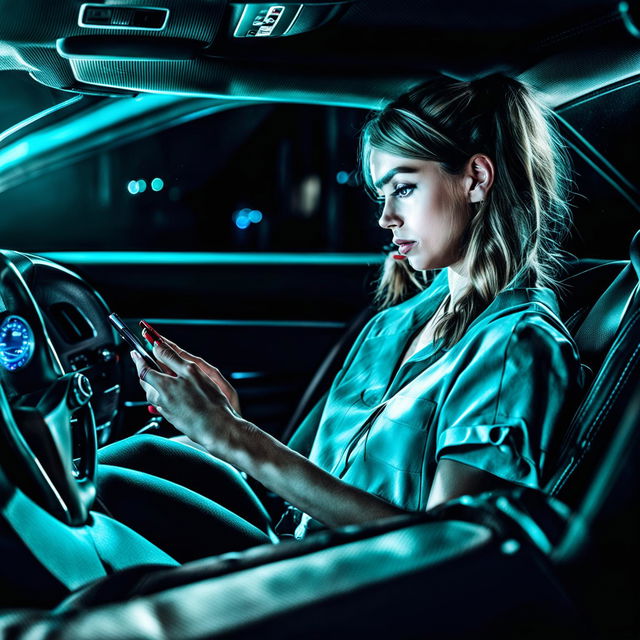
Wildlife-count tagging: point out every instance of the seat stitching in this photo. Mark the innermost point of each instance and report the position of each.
(624, 371)
(630, 364)
(594, 429)
(599, 382)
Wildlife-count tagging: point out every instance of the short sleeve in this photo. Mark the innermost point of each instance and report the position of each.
(504, 405)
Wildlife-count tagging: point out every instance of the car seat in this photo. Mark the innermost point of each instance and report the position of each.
(609, 344)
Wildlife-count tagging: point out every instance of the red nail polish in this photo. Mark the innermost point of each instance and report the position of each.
(152, 410)
(147, 336)
(398, 256)
(150, 330)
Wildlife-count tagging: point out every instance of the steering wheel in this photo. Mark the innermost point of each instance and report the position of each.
(47, 428)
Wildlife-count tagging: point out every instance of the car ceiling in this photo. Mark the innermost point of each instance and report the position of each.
(362, 51)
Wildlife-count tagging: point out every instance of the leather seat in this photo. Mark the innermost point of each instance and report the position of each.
(609, 343)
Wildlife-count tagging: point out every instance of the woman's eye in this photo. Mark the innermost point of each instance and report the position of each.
(403, 190)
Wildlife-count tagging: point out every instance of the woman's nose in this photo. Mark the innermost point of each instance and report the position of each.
(388, 217)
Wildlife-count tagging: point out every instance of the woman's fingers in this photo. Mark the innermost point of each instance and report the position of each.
(147, 377)
(184, 363)
(179, 350)
(168, 356)
(182, 352)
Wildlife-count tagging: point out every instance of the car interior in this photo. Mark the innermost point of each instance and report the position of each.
(249, 240)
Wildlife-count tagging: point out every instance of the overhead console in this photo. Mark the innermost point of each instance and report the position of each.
(246, 20)
(191, 46)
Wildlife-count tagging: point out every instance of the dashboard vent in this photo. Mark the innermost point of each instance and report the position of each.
(70, 322)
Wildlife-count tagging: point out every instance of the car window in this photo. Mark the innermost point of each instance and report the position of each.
(260, 177)
(605, 220)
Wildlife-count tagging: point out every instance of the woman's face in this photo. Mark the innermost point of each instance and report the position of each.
(425, 208)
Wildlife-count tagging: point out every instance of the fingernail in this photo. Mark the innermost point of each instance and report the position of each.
(135, 355)
(152, 410)
(399, 256)
(147, 337)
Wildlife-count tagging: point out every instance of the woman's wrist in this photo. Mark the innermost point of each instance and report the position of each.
(235, 447)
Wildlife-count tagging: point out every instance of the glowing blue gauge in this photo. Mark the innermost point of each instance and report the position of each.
(16, 343)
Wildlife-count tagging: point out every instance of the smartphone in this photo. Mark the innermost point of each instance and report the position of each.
(153, 334)
(133, 341)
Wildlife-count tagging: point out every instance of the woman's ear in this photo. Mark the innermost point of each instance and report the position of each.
(479, 174)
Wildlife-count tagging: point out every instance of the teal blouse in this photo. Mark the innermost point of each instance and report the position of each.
(491, 401)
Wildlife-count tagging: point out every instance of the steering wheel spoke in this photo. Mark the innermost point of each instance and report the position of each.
(46, 419)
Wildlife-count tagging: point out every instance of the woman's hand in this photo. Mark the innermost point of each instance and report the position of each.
(195, 404)
(191, 401)
(206, 368)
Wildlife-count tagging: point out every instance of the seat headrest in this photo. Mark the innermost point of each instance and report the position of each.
(634, 253)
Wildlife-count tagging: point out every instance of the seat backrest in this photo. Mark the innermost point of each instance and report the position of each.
(609, 342)
(583, 282)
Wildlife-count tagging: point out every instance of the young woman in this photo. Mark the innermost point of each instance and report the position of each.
(453, 388)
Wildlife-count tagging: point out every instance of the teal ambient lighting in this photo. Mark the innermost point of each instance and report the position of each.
(142, 186)
(342, 177)
(623, 8)
(133, 187)
(186, 257)
(157, 184)
(37, 116)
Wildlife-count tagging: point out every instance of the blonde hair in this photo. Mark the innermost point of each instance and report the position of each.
(516, 232)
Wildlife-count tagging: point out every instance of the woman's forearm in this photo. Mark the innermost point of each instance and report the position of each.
(302, 483)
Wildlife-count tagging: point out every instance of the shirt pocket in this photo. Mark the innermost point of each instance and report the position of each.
(398, 436)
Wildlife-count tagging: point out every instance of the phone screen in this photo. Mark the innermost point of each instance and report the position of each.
(133, 341)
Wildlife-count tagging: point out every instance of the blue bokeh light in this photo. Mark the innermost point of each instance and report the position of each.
(255, 216)
(342, 177)
(142, 186)
(157, 184)
(133, 187)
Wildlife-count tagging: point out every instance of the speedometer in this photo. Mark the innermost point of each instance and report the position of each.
(16, 343)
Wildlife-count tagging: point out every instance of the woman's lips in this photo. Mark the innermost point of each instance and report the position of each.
(405, 247)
